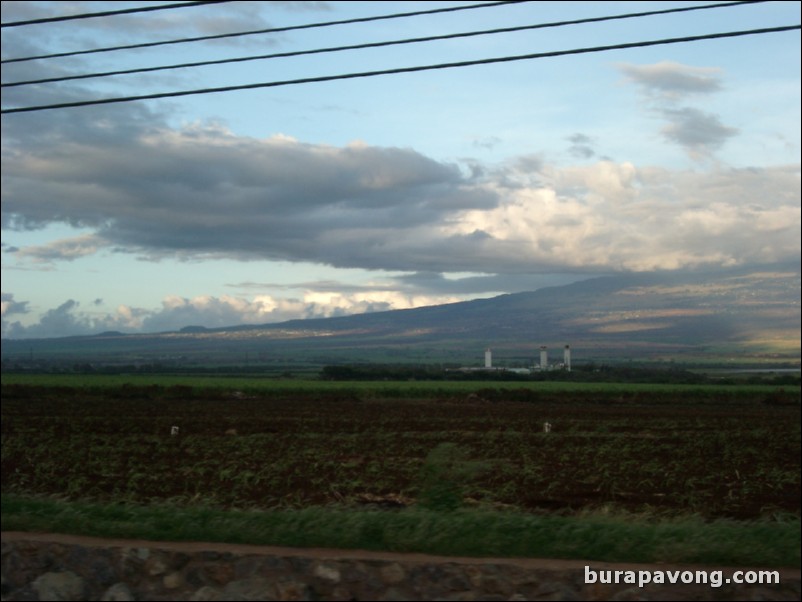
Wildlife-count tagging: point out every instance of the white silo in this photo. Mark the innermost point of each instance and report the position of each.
(488, 358)
(567, 358)
(544, 358)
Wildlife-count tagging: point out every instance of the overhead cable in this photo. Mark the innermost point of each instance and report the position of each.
(325, 78)
(372, 44)
(270, 30)
(111, 13)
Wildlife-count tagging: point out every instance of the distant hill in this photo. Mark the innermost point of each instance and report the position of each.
(738, 315)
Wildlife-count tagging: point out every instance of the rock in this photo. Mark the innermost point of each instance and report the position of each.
(631, 594)
(173, 580)
(392, 574)
(327, 572)
(206, 594)
(487, 579)
(155, 566)
(558, 592)
(119, 592)
(59, 586)
(219, 573)
(395, 595)
(294, 590)
(101, 571)
(255, 588)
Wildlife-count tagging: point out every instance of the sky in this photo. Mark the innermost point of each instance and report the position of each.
(387, 192)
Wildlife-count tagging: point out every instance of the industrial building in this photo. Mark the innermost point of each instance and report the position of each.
(543, 366)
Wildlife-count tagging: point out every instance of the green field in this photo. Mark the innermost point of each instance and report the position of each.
(388, 389)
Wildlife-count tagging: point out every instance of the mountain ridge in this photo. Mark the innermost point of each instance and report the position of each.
(747, 312)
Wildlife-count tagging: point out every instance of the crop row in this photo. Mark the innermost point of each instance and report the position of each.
(716, 460)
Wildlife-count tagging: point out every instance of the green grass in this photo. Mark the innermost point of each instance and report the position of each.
(597, 536)
(377, 389)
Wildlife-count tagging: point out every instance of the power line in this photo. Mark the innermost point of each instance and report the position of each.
(325, 78)
(110, 13)
(271, 30)
(376, 44)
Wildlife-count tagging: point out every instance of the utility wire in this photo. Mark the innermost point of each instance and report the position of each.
(373, 44)
(110, 13)
(325, 78)
(271, 30)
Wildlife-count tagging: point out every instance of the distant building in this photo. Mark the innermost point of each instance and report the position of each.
(542, 367)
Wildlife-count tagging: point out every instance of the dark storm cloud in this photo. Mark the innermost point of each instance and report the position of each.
(204, 191)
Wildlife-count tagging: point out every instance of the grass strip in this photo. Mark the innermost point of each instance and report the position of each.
(100, 384)
(464, 532)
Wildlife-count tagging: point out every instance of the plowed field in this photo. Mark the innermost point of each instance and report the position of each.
(717, 458)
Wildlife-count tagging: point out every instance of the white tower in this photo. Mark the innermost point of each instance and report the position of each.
(567, 358)
(488, 358)
(544, 358)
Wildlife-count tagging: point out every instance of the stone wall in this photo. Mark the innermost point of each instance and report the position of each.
(60, 567)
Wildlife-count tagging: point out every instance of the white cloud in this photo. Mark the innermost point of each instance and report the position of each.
(615, 216)
(209, 311)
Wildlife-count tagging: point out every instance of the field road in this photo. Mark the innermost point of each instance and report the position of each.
(38, 564)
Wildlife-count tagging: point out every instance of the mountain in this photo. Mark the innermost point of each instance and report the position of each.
(738, 315)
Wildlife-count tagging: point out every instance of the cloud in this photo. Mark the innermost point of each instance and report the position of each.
(178, 312)
(581, 146)
(10, 307)
(67, 249)
(477, 284)
(416, 285)
(669, 81)
(304, 5)
(152, 26)
(487, 142)
(612, 216)
(202, 192)
(699, 132)
(68, 319)
(57, 322)
(666, 85)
